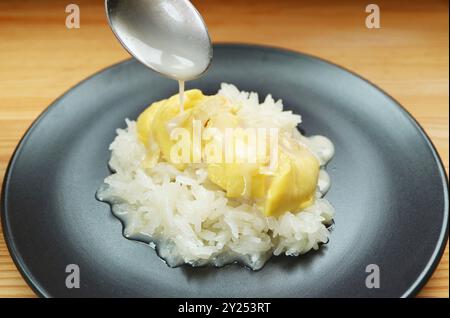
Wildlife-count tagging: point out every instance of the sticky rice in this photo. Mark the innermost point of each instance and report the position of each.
(188, 220)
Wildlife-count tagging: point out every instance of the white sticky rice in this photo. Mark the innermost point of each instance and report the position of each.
(189, 220)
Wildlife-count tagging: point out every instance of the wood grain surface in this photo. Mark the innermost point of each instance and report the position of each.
(408, 57)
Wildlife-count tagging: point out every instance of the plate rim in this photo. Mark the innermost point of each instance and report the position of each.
(414, 288)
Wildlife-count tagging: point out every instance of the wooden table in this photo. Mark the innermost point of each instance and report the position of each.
(408, 57)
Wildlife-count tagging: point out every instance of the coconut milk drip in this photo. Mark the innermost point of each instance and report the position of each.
(181, 94)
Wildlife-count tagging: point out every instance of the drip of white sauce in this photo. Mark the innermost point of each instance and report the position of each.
(324, 182)
(181, 94)
(323, 149)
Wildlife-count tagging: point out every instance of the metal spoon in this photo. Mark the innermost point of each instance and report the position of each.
(168, 36)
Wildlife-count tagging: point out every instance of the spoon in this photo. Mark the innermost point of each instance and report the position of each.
(168, 36)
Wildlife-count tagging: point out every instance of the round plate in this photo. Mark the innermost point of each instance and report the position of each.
(388, 187)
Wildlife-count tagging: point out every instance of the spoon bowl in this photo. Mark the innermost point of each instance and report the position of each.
(170, 37)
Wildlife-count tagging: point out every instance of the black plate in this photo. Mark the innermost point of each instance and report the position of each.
(388, 187)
